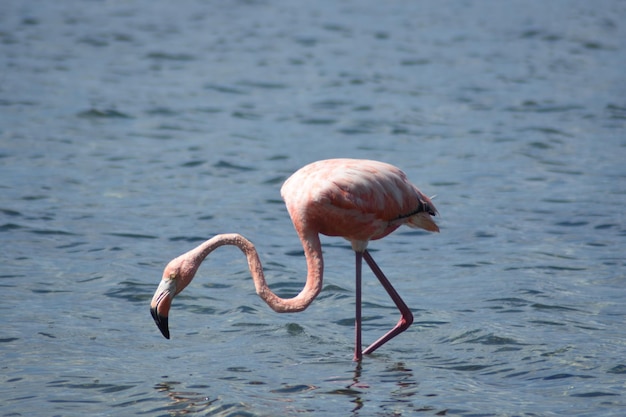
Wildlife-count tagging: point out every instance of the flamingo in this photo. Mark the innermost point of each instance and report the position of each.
(359, 200)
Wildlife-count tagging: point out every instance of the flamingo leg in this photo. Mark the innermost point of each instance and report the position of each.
(358, 353)
(406, 318)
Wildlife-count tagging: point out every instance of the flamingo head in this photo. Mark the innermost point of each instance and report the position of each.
(176, 276)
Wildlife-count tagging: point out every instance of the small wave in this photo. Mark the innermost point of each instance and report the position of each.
(103, 114)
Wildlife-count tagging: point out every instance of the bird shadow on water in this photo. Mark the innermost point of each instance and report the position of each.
(392, 388)
(356, 390)
(185, 402)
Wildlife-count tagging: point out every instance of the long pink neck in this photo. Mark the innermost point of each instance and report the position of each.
(315, 268)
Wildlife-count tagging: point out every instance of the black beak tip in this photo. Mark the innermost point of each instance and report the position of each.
(161, 322)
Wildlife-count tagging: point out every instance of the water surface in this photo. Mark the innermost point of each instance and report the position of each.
(132, 131)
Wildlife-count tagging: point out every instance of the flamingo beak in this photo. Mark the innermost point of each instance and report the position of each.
(160, 305)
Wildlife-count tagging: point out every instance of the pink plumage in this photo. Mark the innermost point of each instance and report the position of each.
(360, 200)
(357, 199)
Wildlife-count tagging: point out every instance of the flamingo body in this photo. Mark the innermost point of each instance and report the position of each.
(360, 200)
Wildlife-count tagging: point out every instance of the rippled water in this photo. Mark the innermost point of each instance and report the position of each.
(131, 131)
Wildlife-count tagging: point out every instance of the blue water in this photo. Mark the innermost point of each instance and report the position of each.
(131, 131)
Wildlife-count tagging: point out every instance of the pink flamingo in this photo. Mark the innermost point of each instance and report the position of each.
(359, 200)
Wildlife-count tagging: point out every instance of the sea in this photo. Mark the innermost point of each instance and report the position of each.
(132, 131)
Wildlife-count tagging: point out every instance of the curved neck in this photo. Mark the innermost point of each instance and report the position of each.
(314, 260)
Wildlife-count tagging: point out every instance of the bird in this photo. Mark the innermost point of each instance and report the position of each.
(359, 200)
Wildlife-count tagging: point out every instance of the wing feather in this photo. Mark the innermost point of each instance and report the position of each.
(357, 199)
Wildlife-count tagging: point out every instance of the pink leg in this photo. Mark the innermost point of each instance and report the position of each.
(358, 354)
(406, 316)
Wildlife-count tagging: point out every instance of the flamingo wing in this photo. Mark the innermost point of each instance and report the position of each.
(357, 199)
